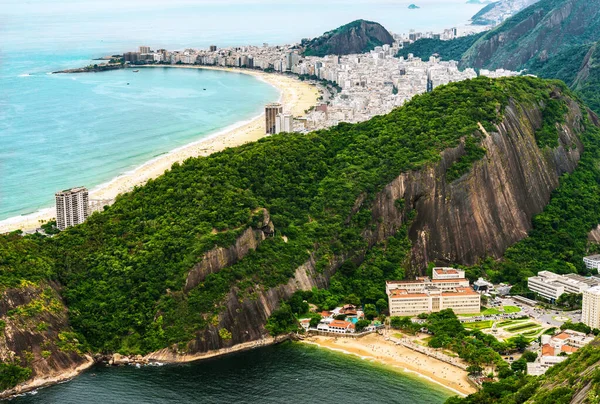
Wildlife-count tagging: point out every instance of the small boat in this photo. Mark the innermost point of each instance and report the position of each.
(135, 71)
(127, 83)
(204, 89)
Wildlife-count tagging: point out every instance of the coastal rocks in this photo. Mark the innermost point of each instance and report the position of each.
(36, 335)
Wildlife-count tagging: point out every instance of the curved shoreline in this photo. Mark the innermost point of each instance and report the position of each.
(400, 359)
(295, 95)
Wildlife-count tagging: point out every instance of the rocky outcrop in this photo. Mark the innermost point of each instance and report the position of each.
(218, 258)
(491, 207)
(357, 37)
(37, 335)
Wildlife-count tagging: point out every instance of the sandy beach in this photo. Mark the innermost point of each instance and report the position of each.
(295, 95)
(375, 347)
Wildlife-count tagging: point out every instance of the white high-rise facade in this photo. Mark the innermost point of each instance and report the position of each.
(72, 207)
(284, 123)
(590, 313)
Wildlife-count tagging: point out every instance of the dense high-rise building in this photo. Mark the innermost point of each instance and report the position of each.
(590, 311)
(144, 49)
(72, 207)
(213, 48)
(271, 112)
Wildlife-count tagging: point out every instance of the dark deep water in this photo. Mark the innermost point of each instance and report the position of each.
(286, 373)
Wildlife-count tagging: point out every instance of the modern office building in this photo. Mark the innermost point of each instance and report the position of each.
(284, 123)
(72, 207)
(271, 113)
(590, 312)
(592, 262)
(550, 285)
(448, 290)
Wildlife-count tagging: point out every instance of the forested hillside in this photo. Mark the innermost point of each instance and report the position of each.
(133, 277)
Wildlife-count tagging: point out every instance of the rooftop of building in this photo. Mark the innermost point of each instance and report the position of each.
(547, 350)
(595, 257)
(71, 191)
(594, 290)
(449, 271)
(341, 324)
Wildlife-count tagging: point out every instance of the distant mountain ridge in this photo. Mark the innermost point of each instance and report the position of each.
(359, 36)
(536, 33)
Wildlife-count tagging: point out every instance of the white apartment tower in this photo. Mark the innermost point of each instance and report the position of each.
(72, 207)
(284, 123)
(590, 313)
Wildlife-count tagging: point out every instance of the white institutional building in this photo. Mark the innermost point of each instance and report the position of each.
(590, 313)
(550, 285)
(448, 289)
(72, 207)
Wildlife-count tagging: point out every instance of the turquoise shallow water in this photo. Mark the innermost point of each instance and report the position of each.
(59, 131)
(288, 373)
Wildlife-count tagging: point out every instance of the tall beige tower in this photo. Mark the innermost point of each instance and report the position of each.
(72, 207)
(271, 112)
(590, 313)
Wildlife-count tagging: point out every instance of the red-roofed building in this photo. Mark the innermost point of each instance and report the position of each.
(450, 290)
(568, 349)
(547, 350)
(341, 327)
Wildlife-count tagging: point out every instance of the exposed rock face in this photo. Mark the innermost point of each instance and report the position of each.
(490, 208)
(219, 258)
(357, 37)
(34, 317)
(540, 31)
(478, 215)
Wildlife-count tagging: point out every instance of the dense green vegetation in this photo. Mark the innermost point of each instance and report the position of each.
(124, 270)
(559, 385)
(12, 374)
(448, 50)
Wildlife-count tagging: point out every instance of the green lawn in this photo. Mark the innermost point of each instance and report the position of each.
(479, 325)
(522, 327)
(493, 311)
(511, 309)
(532, 333)
(509, 322)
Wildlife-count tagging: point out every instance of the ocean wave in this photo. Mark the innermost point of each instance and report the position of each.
(25, 75)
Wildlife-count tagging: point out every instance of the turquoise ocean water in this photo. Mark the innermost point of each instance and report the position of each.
(63, 131)
(58, 131)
